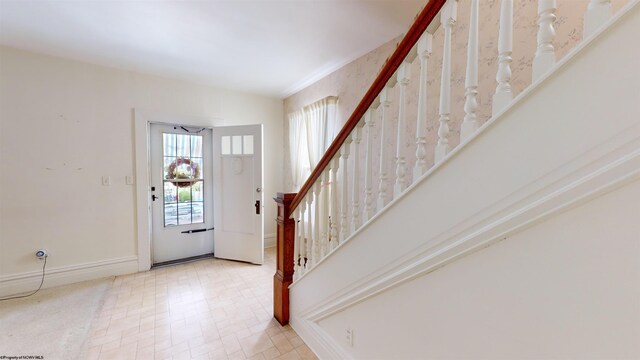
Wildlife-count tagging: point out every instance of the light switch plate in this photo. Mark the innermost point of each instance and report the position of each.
(129, 180)
(106, 180)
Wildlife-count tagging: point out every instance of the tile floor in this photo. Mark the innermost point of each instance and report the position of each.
(209, 309)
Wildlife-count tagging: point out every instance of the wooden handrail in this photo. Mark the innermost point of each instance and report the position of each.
(419, 26)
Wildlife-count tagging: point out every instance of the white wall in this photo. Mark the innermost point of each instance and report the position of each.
(568, 288)
(523, 243)
(64, 124)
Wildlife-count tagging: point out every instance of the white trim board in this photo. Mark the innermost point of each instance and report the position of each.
(29, 281)
(323, 345)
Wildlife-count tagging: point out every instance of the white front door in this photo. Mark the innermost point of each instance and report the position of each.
(182, 188)
(237, 173)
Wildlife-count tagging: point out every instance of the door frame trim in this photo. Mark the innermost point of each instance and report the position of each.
(142, 121)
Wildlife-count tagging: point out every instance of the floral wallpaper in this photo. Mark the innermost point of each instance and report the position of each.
(348, 83)
(351, 82)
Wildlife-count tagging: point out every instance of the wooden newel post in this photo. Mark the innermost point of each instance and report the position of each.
(284, 260)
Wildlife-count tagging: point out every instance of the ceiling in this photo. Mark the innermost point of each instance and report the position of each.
(270, 47)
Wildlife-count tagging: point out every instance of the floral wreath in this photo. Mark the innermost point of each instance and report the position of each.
(176, 173)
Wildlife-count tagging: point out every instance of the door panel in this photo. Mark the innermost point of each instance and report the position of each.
(237, 176)
(237, 158)
(182, 188)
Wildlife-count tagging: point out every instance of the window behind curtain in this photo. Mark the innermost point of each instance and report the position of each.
(311, 131)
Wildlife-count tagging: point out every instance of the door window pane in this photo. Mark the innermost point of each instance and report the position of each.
(196, 168)
(169, 144)
(184, 194)
(183, 145)
(184, 213)
(196, 192)
(247, 142)
(197, 212)
(167, 164)
(226, 145)
(237, 145)
(170, 193)
(196, 146)
(170, 214)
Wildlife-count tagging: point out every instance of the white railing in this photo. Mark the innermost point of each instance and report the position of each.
(333, 210)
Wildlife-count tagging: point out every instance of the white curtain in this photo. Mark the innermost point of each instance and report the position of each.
(321, 123)
(298, 150)
(311, 131)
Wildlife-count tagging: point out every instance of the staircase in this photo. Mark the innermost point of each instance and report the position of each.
(521, 241)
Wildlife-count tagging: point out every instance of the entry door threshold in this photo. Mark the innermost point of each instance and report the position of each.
(182, 261)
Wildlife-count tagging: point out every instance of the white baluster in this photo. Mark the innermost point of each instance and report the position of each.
(296, 243)
(545, 56)
(324, 236)
(302, 247)
(403, 76)
(344, 210)
(448, 17)
(424, 52)
(356, 176)
(317, 240)
(503, 95)
(385, 102)
(470, 123)
(335, 241)
(368, 181)
(310, 240)
(598, 13)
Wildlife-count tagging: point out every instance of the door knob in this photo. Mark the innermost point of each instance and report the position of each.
(153, 197)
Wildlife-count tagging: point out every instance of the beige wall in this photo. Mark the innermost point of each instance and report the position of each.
(64, 124)
(351, 82)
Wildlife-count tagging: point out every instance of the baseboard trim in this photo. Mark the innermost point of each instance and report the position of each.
(64, 275)
(269, 240)
(318, 340)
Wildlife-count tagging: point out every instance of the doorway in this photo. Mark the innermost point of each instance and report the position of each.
(181, 192)
(204, 193)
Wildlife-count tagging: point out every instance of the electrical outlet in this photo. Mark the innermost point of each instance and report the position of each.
(129, 180)
(106, 180)
(349, 336)
(41, 254)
